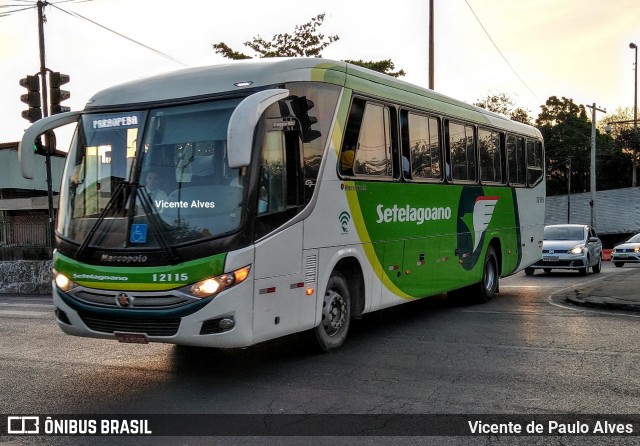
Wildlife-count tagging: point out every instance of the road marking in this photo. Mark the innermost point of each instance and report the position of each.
(586, 309)
(26, 314)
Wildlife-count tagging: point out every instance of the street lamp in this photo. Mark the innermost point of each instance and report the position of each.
(633, 46)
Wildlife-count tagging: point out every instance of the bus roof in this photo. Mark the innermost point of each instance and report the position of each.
(200, 82)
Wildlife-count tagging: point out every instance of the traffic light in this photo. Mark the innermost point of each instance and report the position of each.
(31, 98)
(301, 106)
(38, 147)
(55, 80)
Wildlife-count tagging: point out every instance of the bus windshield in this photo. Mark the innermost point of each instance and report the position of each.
(151, 178)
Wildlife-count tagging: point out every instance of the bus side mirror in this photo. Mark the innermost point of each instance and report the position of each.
(26, 154)
(243, 122)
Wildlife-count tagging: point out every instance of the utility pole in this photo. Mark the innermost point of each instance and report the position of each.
(45, 112)
(594, 109)
(635, 116)
(431, 47)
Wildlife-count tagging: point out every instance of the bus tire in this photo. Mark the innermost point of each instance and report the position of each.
(336, 314)
(490, 277)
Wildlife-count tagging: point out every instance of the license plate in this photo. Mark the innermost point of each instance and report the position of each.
(131, 338)
(551, 258)
(623, 256)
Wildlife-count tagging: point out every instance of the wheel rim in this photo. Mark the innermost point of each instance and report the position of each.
(333, 312)
(489, 276)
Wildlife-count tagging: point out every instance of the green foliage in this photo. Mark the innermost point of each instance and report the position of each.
(502, 103)
(305, 41)
(566, 129)
(382, 66)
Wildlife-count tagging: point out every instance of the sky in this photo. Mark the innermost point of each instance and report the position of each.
(528, 49)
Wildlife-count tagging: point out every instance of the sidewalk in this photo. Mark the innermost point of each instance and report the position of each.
(620, 291)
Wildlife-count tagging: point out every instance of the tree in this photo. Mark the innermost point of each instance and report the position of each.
(566, 129)
(305, 41)
(383, 66)
(567, 133)
(503, 104)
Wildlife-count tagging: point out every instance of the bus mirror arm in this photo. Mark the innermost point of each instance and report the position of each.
(243, 122)
(25, 149)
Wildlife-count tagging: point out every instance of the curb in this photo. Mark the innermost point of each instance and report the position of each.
(600, 294)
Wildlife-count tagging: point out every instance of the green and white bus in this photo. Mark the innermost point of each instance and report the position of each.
(228, 205)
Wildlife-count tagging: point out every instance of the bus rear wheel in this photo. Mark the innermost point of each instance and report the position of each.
(336, 314)
(488, 287)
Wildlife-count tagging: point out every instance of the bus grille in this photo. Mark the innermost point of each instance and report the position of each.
(147, 300)
(151, 326)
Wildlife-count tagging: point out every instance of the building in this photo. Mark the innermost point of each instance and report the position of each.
(617, 212)
(24, 209)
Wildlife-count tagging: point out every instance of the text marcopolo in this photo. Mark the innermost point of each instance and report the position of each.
(411, 214)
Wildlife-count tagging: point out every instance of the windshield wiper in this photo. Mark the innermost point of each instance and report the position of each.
(155, 224)
(121, 189)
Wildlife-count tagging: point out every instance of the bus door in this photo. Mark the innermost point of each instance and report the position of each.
(280, 302)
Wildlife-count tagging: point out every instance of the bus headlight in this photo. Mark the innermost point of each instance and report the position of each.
(63, 282)
(215, 285)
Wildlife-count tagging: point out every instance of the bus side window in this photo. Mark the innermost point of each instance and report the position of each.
(352, 131)
(516, 160)
(490, 156)
(462, 149)
(534, 162)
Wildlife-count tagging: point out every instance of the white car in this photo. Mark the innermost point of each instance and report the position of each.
(628, 252)
(575, 247)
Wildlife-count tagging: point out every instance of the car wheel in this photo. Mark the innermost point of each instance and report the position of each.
(529, 271)
(585, 271)
(547, 270)
(618, 264)
(336, 314)
(598, 266)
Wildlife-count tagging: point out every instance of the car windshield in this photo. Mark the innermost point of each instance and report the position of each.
(634, 239)
(563, 233)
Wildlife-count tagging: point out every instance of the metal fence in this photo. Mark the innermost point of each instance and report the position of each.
(25, 237)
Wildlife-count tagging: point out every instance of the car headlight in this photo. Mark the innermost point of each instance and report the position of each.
(636, 249)
(578, 249)
(215, 285)
(63, 282)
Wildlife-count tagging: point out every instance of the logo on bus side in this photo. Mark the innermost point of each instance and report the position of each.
(475, 212)
(344, 219)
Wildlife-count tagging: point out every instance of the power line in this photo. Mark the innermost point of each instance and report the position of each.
(76, 15)
(500, 52)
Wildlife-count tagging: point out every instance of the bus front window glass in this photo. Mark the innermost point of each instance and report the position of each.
(100, 161)
(186, 147)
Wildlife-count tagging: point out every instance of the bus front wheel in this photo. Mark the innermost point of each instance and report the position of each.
(336, 314)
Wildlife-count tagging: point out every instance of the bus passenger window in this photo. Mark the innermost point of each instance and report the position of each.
(424, 145)
(534, 162)
(490, 156)
(463, 155)
(351, 133)
(516, 160)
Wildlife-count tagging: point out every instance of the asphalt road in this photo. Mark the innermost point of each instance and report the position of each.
(525, 352)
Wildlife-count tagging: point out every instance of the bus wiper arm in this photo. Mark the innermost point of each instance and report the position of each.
(156, 224)
(121, 189)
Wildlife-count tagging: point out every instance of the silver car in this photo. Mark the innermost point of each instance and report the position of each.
(569, 247)
(628, 252)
